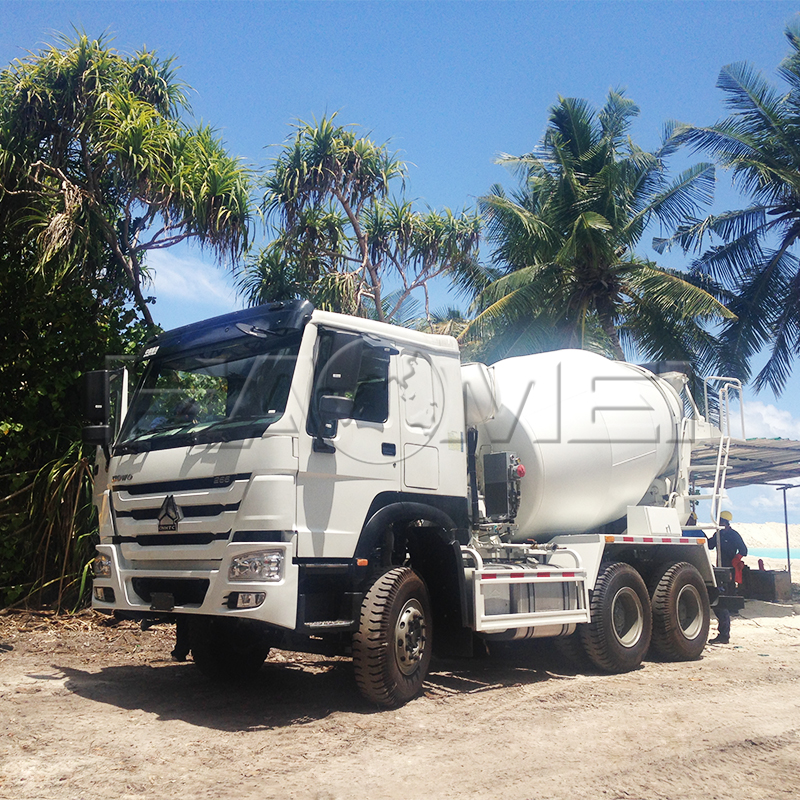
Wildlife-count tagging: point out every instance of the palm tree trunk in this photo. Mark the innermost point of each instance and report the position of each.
(606, 317)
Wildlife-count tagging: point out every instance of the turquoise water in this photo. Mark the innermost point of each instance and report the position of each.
(773, 552)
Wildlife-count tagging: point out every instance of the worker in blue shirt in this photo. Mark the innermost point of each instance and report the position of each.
(731, 545)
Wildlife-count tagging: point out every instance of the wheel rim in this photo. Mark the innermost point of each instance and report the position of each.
(626, 617)
(689, 611)
(409, 637)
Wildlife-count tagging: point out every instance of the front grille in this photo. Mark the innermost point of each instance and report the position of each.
(167, 539)
(186, 591)
(211, 510)
(184, 485)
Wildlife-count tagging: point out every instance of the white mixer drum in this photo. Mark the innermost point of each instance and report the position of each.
(591, 433)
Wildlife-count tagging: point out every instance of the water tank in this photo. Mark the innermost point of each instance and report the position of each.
(591, 433)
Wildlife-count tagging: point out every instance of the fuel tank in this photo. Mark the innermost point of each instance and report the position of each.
(592, 434)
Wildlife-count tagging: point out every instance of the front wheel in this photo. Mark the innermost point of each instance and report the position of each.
(681, 612)
(618, 635)
(392, 647)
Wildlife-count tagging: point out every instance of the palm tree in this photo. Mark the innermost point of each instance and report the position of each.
(757, 256)
(564, 244)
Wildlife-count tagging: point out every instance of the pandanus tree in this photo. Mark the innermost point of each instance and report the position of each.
(753, 250)
(97, 167)
(564, 244)
(340, 236)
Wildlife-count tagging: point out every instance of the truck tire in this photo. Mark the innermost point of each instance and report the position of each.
(571, 652)
(392, 647)
(618, 635)
(228, 649)
(681, 612)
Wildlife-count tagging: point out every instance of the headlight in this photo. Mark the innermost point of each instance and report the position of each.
(265, 565)
(101, 566)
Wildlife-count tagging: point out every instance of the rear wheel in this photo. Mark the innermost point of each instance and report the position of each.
(681, 613)
(392, 647)
(618, 635)
(228, 649)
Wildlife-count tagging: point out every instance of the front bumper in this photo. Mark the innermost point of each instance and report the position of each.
(203, 590)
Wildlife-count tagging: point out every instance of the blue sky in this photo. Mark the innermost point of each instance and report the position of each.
(451, 84)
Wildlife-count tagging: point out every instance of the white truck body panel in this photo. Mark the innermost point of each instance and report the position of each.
(424, 430)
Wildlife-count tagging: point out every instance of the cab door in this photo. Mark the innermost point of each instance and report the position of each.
(350, 450)
(421, 403)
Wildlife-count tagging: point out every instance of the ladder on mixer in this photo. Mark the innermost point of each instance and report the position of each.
(720, 475)
(731, 389)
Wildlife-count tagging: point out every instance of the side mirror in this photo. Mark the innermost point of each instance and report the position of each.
(97, 397)
(332, 407)
(340, 372)
(99, 435)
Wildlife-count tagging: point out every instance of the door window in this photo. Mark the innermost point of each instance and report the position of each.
(371, 394)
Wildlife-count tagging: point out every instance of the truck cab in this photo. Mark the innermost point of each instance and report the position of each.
(269, 464)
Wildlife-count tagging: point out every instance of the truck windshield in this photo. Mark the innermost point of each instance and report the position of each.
(232, 390)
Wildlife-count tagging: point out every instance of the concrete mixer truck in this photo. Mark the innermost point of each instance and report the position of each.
(287, 477)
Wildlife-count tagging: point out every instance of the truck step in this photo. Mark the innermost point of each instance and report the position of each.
(328, 624)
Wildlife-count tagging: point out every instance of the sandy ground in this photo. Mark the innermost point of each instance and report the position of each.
(94, 711)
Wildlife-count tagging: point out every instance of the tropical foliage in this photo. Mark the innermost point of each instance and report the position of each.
(752, 251)
(342, 240)
(99, 167)
(96, 169)
(564, 243)
(50, 331)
